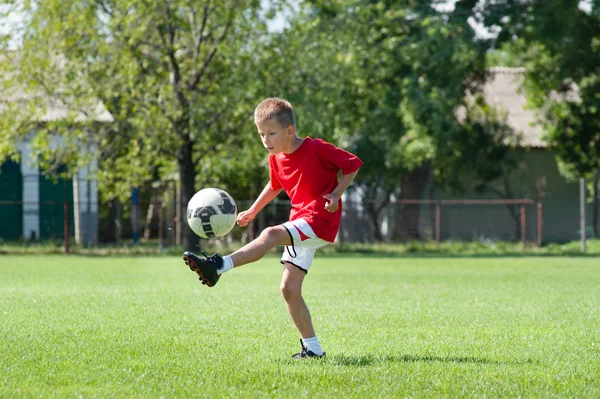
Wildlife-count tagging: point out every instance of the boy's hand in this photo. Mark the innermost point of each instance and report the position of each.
(332, 203)
(245, 217)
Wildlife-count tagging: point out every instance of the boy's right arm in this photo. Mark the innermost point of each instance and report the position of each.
(266, 196)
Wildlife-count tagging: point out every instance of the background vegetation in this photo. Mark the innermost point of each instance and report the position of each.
(382, 78)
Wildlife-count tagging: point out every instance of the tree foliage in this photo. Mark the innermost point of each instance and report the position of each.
(558, 42)
(178, 77)
(386, 80)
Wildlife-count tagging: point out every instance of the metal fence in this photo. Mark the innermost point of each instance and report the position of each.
(153, 213)
(442, 220)
(431, 220)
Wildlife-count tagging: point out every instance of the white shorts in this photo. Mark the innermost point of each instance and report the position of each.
(304, 244)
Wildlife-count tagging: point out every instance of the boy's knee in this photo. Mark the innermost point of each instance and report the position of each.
(268, 232)
(275, 235)
(290, 290)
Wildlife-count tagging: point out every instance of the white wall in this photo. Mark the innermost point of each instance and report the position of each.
(31, 193)
(85, 197)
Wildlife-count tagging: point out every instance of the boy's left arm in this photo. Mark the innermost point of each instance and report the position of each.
(333, 198)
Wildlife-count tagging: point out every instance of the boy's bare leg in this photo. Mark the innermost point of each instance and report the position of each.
(291, 289)
(255, 250)
(209, 268)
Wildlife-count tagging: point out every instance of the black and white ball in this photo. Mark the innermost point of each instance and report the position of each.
(211, 213)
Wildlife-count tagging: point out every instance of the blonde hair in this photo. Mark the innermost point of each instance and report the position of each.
(275, 108)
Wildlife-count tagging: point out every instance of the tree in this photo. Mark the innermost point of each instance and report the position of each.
(557, 42)
(405, 69)
(169, 72)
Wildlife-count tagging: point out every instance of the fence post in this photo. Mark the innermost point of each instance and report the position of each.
(135, 215)
(582, 214)
(437, 224)
(66, 209)
(523, 225)
(539, 213)
(340, 235)
(178, 213)
(160, 221)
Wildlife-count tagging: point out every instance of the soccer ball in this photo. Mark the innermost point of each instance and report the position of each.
(211, 213)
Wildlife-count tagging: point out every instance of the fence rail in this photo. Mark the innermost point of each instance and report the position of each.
(508, 220)
(459, 219)
(522, 203)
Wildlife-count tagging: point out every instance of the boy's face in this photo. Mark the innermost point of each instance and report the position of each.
(274, 137)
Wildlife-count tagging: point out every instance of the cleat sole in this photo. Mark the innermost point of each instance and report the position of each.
(193, 267)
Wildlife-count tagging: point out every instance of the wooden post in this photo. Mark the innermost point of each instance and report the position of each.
(135, 214)
(523, 225)
(582, 213)
(66, 209)
(170, 215)
(178, 213)
(340, 235)
(437, 223)
(540, 213)
(159, 209)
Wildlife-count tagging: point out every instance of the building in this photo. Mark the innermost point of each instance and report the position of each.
(560, 216)
(32, 204)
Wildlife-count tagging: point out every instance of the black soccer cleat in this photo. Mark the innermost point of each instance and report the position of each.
(306, 354)
(205, 266)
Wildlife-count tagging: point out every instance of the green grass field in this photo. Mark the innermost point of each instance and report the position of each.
(392, 327)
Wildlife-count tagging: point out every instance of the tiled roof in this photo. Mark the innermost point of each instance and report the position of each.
(502, 91)
(58, 110)
(55, 108)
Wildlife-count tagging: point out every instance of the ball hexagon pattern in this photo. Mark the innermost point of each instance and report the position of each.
(211, 213)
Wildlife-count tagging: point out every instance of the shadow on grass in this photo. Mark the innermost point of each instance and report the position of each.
(369, 360)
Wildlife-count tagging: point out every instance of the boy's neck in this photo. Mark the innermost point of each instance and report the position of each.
(294, 144)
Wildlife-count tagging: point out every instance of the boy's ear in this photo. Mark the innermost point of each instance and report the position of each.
(291, 130)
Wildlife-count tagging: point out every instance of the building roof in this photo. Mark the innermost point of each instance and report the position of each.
(502, 90)
(57, 110)
(55, 107)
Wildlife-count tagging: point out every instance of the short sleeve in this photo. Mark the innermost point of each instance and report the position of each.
(336, 158)
(275, 184)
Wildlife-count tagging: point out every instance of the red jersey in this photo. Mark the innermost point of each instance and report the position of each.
(306, 175)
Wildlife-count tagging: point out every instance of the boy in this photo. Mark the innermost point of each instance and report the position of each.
(307, 169)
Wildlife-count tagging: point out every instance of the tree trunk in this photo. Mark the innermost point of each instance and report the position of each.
(172, 211)
(374, 218)
(413, 185)
(112, 231)
(187, 178)
(513, 210)
(375, 208)
(150, 213)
